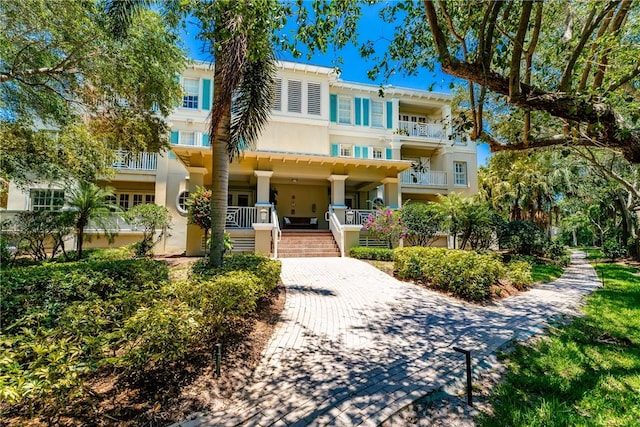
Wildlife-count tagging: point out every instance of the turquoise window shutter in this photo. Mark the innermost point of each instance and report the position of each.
(175, 137)
(171, 155)
(389, 154)
(205, 139)
(356, 152)
(365, 112)
(358, 112)
(365, 152)
(333, 108)
(334, 150)
(206, 94)
(389, 115)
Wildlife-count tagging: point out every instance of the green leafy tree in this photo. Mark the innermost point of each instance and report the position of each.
(422, 222)
(199, 209)
(153, 220)
(63, 72)
(91, 203)
(564, 73)
(36, 230)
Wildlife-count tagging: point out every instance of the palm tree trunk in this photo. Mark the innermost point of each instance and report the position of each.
(80, 240)
(220, 185)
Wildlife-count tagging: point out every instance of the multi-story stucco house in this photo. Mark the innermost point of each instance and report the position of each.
(331, 150)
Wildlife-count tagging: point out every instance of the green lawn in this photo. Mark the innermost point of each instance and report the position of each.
(592, 253)
(545, 273)
(586, 373)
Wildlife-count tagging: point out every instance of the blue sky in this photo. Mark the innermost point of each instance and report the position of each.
(354, 67)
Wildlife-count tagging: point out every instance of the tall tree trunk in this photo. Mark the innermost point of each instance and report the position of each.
(80, 240)
(220, 185)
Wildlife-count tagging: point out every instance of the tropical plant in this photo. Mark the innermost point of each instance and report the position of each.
(154, 221)
(36, 230)
(199, 210)
(421, 222)
(385, 224)
(91, 203)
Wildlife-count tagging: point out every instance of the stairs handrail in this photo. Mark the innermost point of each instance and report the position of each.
(337, 230)
(276, 233)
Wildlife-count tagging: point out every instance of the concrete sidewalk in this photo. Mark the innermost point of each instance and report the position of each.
(355, 345)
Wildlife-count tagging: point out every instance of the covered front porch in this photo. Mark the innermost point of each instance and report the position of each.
(274, 191)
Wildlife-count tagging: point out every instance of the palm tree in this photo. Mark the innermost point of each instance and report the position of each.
(239, 35)
(91, 203)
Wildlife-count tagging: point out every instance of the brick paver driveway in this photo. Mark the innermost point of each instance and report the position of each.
(355, 345)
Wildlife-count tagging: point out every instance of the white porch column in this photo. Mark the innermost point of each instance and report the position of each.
(263, 186)
(195, 233)
(337, 195)
(396, 147)
(391, 193)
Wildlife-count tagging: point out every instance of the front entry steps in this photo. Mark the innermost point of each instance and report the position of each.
(307, 243)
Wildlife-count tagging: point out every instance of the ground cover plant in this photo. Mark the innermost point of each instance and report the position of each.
(583, 373)
(69, 328)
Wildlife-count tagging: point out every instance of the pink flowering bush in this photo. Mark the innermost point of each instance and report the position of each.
(385, 225)
(199, 208)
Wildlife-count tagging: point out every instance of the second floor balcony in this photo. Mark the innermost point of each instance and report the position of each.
(427, 178)
(144, 161)
(422, 130)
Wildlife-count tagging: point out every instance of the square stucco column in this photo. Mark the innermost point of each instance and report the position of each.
(263, 238)
(337, 195)
(263, 186)
(391, 193)
(195, 233)
(351, 237)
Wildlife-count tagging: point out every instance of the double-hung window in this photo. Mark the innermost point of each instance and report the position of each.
(191, 90)
(344, 110)
(460, 173)
(187, 138)
(377, 114)
(46, 200)
(377, 153)
(346, 150)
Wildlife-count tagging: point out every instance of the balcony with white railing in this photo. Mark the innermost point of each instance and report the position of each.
(126, 161)
(426, 179)
(422, 130)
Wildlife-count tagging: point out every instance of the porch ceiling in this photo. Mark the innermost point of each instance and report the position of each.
(295, 165)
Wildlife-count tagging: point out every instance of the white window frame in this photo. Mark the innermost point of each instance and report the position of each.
(190, 99)
(181, 201)
(342, 112)
(345, 150)
(184, 134)
(379, 150)
(51, 200)
(376, 115)
(460, 177)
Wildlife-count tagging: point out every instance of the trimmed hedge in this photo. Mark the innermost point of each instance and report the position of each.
(267, 270)
(468, 275)
(378, 254)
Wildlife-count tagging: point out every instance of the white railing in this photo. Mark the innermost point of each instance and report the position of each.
(424, 130)
(433, 178)
(241, 217)
(360, 216)
(142, 161)
(336, 230)
(276, 233)
(114, 224)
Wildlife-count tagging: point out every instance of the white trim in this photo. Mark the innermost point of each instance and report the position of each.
(178, 207)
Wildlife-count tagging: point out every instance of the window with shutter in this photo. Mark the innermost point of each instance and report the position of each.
(344, 110)
(277, 96)
(191, 90)
(187, 138)
(377, 114)
(313, 98)
(295, 96)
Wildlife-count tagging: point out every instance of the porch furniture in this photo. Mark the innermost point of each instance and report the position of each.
(300, 222)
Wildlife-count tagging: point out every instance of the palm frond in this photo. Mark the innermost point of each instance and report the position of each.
(121, 13)
(252, 104)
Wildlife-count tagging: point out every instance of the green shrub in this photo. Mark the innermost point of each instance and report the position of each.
(519, 274)
(267, 270)
(465, 274)
(379, 254)
(614, 250)
(555, 250)
(158, 334)
(53, 286)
